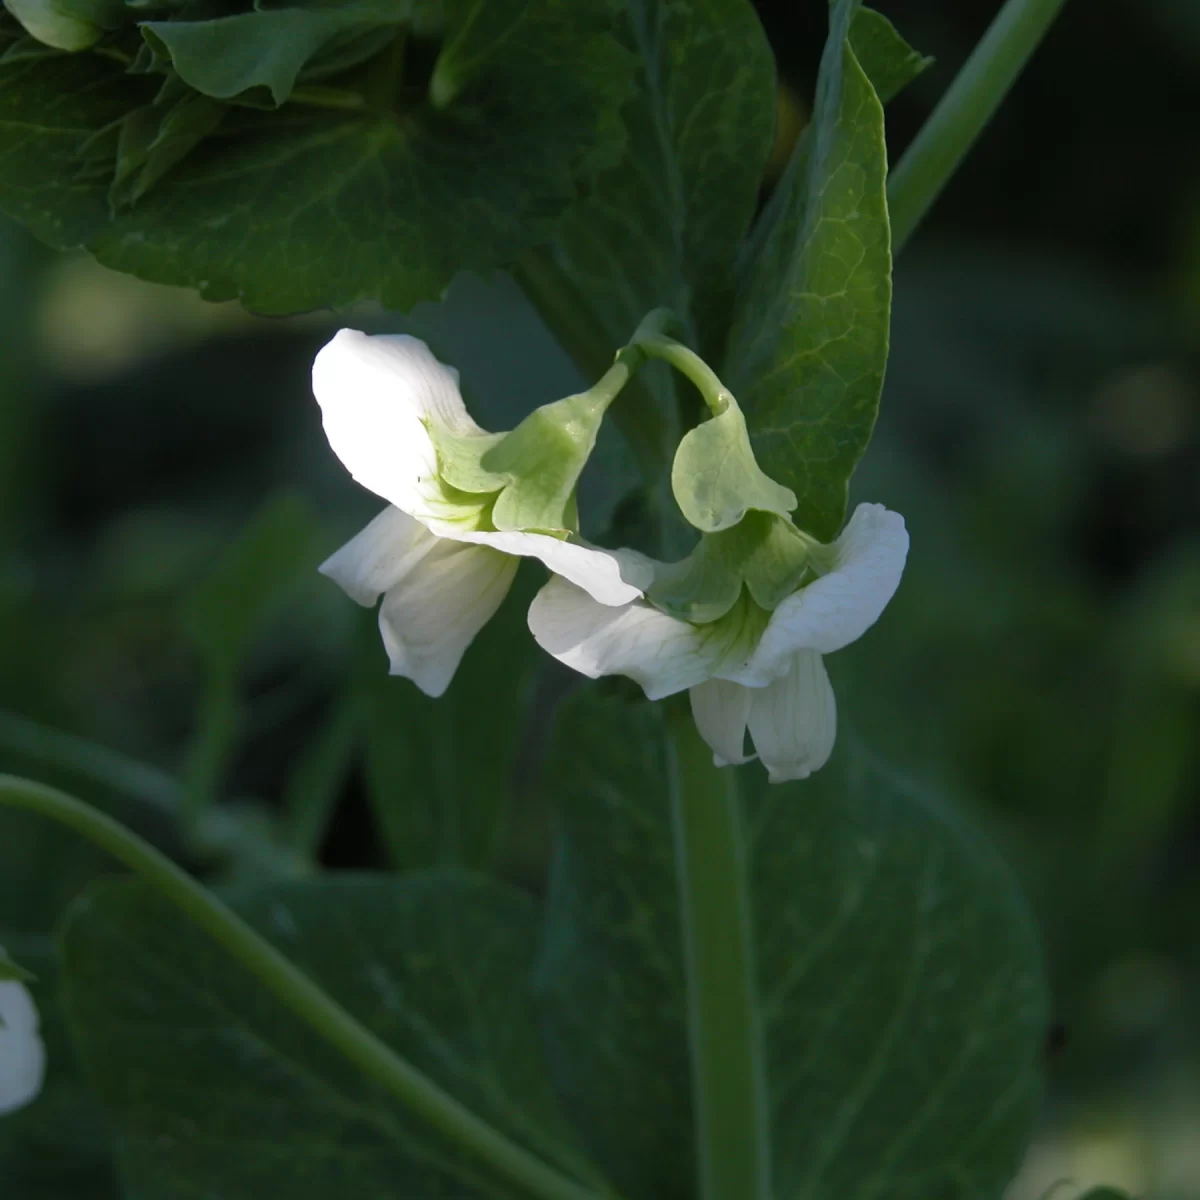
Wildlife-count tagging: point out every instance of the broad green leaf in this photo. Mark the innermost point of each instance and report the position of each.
(662, 227)
(215, 1089)
(155, 138)
(890, 62)
(440, 772)
(266, 48)
(368, 193)
(278, 547)
(809, 341)
(898, 973)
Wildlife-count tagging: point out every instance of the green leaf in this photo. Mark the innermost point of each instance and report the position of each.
(661, 228)
(440, 772)
(385, 197)
(277, 548)
(809, 342)
(268, 48)
(216, 1089)
(54, 24)
(890, 62)
(899, 976)
(155, 138)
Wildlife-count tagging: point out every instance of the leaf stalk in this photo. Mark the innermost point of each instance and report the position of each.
(728, 1077)
(419, 1094)
(960, 116)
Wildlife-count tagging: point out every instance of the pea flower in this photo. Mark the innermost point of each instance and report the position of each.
(22, 1054)
(751, 669)
(464, 505)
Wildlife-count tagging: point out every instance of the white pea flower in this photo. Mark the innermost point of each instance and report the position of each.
(434, 555)
(749, 670)
(22, 1054)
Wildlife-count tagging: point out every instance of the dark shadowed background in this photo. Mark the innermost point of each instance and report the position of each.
(165, 493)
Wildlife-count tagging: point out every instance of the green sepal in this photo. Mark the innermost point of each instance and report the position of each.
(716, 479)
(763, 551)
(460, 460)
(534, 469)
(11, 972)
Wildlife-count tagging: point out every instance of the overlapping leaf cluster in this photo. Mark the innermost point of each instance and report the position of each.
(305, 154)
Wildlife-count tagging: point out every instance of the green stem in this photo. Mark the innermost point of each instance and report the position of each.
(964, 110)
(690, 364)
(728, 1087)
(294, 989)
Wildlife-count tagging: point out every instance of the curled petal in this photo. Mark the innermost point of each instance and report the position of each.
(431, 615)
(22, 1053)
(376, 395)
(721, 710)
(839, 607)
(380, 556)
(663, 654)
(793, 721)
(608, 576)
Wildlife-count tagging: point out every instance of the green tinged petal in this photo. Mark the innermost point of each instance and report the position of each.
(716, 478)
(763, 551)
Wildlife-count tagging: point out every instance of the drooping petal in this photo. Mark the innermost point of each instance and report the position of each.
(721, 710)
(380, 556)
(609, 576)
(22, 1053)
(793, 721)
(840, 606)
(431, 615)
(376, 394)
(663, 654)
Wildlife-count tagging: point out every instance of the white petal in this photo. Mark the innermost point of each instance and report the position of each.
(432, 614)
(380, 556)
(609, 576)
(22, 1054)
(793, 721)
(663, 654)
(843, 604)
(721, 710)
(375, 395)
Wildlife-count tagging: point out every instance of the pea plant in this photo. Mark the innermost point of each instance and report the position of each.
(761, 963)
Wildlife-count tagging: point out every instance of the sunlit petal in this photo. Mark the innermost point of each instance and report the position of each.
(376, 393)
(380, 556)
(609, 576)
(431, 615)
(661, 653)
(840, 606)
(721, 710)
(793, 721)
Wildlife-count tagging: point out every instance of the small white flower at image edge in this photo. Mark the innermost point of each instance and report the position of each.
(22, 1052)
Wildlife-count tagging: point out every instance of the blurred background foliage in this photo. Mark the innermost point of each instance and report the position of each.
(167, 649)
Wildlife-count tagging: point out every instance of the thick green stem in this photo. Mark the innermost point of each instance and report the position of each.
(964, 110)
(419, 1094)
(728, 1086)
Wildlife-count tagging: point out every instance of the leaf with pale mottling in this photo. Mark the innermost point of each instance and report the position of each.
(898, 972)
